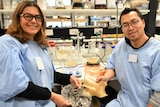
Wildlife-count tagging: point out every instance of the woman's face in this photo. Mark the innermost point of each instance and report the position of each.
(31, 21)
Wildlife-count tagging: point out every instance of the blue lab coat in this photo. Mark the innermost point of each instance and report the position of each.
(18, 67)
(137, 70)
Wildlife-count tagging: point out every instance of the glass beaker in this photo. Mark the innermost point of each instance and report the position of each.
(66, 55)
(72, 58)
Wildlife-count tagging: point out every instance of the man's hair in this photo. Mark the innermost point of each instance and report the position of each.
(127, 10)
(15, 29)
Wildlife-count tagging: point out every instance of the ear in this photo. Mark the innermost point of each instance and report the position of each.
(143, 21)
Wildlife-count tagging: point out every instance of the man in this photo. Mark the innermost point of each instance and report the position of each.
(135, 62)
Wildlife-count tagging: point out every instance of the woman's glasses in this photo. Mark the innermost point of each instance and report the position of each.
(29, 17)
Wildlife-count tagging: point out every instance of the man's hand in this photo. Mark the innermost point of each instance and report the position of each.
(108, 74)
(150, 105)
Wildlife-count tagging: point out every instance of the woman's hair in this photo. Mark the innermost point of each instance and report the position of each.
(128, 10)
(15, 29)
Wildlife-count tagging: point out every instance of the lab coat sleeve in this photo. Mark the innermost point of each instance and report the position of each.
(12, 77)
(155, 73)
(155, 82)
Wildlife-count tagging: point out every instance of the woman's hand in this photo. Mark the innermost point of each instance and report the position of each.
(76, 83)
(59, 100)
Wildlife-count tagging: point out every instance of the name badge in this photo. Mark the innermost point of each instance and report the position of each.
(39, 63)
(132, 58)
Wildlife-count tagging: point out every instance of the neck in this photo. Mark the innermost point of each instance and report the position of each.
(31, 37)
(140, 41)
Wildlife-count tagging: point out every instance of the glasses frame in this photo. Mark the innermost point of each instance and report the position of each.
(133, 23)
(29, 17)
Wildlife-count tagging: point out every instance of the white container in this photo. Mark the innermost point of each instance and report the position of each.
(42, 4)
(6, 4)
(14, 4)
(111, 4)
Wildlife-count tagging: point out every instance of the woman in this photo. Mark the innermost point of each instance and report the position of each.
(27, 74)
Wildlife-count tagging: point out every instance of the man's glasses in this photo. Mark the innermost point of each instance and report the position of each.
(133, 23)
(29, 17)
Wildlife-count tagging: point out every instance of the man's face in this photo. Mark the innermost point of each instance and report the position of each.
(132, 26)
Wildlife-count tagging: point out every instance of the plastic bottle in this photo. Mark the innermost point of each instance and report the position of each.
(108, 49)
(51, 50)
(102, 51)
